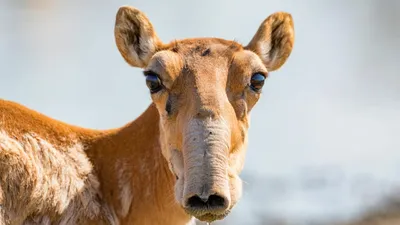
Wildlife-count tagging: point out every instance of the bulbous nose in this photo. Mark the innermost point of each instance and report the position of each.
(214, 204)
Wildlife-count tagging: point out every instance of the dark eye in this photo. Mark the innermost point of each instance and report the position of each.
(257, 81)
(153, 83)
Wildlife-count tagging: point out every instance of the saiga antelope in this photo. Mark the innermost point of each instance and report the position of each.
(180, 159)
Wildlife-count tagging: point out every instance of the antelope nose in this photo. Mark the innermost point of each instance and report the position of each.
(214, 203)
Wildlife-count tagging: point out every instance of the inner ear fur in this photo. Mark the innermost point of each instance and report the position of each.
(135, 36)
(274, 40)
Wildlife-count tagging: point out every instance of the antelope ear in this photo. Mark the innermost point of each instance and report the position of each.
(274, 40)
(135, 37)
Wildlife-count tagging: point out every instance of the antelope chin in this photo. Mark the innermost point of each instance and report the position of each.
(209, 217)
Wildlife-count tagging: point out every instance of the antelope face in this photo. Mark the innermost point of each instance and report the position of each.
(204, 90)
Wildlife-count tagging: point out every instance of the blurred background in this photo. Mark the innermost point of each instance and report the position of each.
(324, 142)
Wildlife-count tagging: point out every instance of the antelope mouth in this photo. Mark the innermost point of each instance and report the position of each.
(208, 217)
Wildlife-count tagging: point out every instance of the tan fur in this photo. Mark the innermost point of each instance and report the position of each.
(195, 130)
(27, 171)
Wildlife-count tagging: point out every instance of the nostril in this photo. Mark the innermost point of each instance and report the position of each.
(213, 201)
(216, 201)
(196, 202)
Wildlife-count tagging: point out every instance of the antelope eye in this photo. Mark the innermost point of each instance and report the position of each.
(153, 82)
(257, 81)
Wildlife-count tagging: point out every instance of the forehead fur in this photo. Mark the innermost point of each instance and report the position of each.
(203, 46)
(195, 58)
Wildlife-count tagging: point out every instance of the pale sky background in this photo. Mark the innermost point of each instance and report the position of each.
(324, 138)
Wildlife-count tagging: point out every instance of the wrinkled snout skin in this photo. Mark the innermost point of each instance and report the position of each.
(205, 156)
(208, 165)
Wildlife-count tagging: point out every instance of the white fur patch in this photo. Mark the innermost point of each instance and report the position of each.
(125, 191)
(43, 183)
(192, 221)
(265, 49)
(146, 45)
